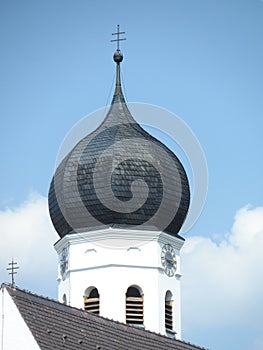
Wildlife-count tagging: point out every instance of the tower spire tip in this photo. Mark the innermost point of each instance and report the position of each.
(118, 57)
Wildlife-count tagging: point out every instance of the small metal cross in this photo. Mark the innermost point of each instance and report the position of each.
(118, 37)
(13, 269)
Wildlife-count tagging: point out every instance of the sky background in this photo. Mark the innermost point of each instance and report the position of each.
(200, 59)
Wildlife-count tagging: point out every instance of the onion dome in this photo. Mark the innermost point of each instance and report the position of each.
(119, 176)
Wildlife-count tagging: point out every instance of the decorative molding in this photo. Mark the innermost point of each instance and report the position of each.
(117, 265)
(121, 235)
(134, 248)
(91, 250)
(176, 242)
(178, 276)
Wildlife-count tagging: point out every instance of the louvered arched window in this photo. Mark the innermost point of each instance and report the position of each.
(168, 311)
(92, 300)
(134, 306)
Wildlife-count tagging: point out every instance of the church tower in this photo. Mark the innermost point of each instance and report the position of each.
(118, 201)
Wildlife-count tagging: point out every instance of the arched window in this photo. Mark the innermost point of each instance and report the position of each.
(64, 298)
(92, 300)
(168, 311)
(134, 306)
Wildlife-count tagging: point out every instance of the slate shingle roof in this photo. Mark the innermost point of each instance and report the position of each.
(58, 326)
(129, 153)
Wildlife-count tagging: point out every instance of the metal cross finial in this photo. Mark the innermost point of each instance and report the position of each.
(118, 37)
(13, 269)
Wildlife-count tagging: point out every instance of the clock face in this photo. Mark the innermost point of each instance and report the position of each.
(64, 263)
(168, 259)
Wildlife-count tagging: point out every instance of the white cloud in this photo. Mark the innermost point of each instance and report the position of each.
(222, 284)
(27, 235)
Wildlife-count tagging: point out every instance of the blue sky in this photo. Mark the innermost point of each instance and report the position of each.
(200, 59)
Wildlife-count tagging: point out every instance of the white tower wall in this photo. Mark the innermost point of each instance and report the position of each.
(112, 260)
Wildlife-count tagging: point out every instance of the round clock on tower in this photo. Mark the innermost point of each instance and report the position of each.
(118, 201)
(64, 263)
(168, 260)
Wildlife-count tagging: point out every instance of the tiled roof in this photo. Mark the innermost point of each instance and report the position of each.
(58, 326)
(119, 152)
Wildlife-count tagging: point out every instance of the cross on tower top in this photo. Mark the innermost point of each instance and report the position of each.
(118, 37)
(13, 269)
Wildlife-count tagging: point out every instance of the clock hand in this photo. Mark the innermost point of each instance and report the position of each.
(171, 261)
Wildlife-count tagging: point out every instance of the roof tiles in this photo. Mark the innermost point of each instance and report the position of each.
(58, 326)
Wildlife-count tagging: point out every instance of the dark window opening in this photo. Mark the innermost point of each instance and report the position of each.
(92, 301)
